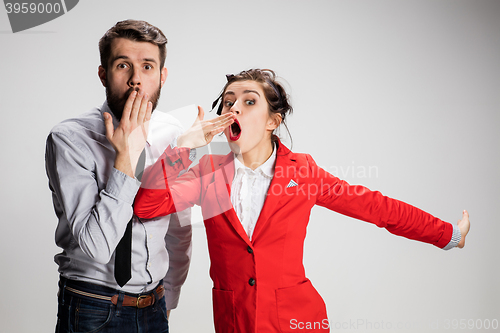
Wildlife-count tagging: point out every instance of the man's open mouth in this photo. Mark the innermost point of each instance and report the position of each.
(235, 131)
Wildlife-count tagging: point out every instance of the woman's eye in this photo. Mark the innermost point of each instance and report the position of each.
(228, 103)
(250, 102)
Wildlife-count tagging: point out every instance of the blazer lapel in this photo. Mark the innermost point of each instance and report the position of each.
(284, 171)
(224, 173)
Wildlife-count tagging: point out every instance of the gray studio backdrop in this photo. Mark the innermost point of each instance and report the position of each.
(400, 96)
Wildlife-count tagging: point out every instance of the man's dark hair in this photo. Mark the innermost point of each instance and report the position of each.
(138, 31)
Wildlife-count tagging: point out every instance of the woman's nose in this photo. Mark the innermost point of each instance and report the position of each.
(234, 108)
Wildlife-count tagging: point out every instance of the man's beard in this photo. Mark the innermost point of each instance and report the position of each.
(116, 103)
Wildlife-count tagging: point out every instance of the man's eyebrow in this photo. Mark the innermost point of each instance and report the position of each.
(119, 57)
(127, 58)
(149, 60)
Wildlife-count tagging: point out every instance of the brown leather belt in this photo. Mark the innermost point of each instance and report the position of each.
(140, 302)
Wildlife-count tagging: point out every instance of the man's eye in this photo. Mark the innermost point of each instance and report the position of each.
(250, 102)
(228, 103)
(122, 66)
(148, 67)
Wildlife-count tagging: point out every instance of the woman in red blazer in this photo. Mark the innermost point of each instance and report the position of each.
(259, 279)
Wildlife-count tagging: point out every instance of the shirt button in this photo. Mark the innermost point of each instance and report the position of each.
(150, 236)
(251, 281)
(249, 249)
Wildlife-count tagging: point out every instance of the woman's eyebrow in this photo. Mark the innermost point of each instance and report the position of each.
(251, 91)
(229, 92)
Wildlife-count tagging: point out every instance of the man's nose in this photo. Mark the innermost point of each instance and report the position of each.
(135, 79)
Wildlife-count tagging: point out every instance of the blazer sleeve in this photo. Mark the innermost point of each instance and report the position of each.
(162, 191)
(396, 216)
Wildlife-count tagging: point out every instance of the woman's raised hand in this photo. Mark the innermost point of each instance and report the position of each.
(464, 226)
(203, 131)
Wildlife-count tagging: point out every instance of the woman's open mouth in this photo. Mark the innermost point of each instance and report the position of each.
(235, 131)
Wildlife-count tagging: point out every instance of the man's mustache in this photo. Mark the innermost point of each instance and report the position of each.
(129, 91)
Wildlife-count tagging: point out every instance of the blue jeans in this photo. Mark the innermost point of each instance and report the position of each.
(77, 313)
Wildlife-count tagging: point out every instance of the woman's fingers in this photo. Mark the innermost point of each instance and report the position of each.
(218, 127)
(203, 131)
(199, 117)
(207, 126)
(464, 225)
(226, 121)
(222, 121)
(201, 113)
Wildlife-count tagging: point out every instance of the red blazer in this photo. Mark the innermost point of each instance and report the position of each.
(260, 285)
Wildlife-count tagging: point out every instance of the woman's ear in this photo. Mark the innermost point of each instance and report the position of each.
(274, 121)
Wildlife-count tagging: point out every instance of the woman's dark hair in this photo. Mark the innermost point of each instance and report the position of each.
(276, 96)
(137, 31)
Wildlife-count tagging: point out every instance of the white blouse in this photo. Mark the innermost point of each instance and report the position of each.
(249, 191)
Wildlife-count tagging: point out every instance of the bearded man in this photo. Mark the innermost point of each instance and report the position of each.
(117, 274)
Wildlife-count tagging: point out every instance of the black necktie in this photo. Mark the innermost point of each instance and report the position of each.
(123, 252)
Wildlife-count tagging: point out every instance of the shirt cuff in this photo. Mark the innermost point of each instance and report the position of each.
(122, 186)
(171, 297)
(192, 155)
(455, 238)
(192, 152)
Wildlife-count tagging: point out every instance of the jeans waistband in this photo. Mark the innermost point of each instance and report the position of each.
(98, 289)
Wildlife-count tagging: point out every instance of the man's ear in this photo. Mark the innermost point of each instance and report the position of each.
(163, 76)
(102, 75)
(274, 122)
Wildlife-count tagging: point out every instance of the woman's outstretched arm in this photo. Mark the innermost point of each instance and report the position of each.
(396, 216)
